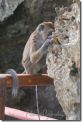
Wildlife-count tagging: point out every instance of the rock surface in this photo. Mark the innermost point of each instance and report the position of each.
(63, 61)
(7, 7)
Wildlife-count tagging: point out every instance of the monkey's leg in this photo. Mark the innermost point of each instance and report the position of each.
(15, 85)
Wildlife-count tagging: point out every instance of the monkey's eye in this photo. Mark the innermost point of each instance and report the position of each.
(41, 27)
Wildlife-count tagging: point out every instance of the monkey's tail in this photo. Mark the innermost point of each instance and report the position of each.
(15, 85)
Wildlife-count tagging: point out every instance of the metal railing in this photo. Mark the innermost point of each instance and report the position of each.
(24, 81)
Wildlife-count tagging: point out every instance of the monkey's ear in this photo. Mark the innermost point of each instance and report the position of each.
(41, 27)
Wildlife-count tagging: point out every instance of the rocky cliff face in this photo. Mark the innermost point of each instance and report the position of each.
(63, 61)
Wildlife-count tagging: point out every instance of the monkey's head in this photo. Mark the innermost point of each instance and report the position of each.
(45, 29)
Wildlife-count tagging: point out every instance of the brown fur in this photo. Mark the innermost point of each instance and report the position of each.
(34, 54)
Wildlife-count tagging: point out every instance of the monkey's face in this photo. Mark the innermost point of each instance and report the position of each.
(46, 29)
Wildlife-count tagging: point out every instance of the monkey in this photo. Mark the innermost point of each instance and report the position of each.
(34, 53)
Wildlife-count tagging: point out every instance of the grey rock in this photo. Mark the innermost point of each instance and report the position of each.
(63, 61)
(7, 8)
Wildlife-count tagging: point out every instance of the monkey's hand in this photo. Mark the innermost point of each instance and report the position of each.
(48, 41)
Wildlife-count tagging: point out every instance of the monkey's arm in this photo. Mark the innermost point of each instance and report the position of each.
(36, 55)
